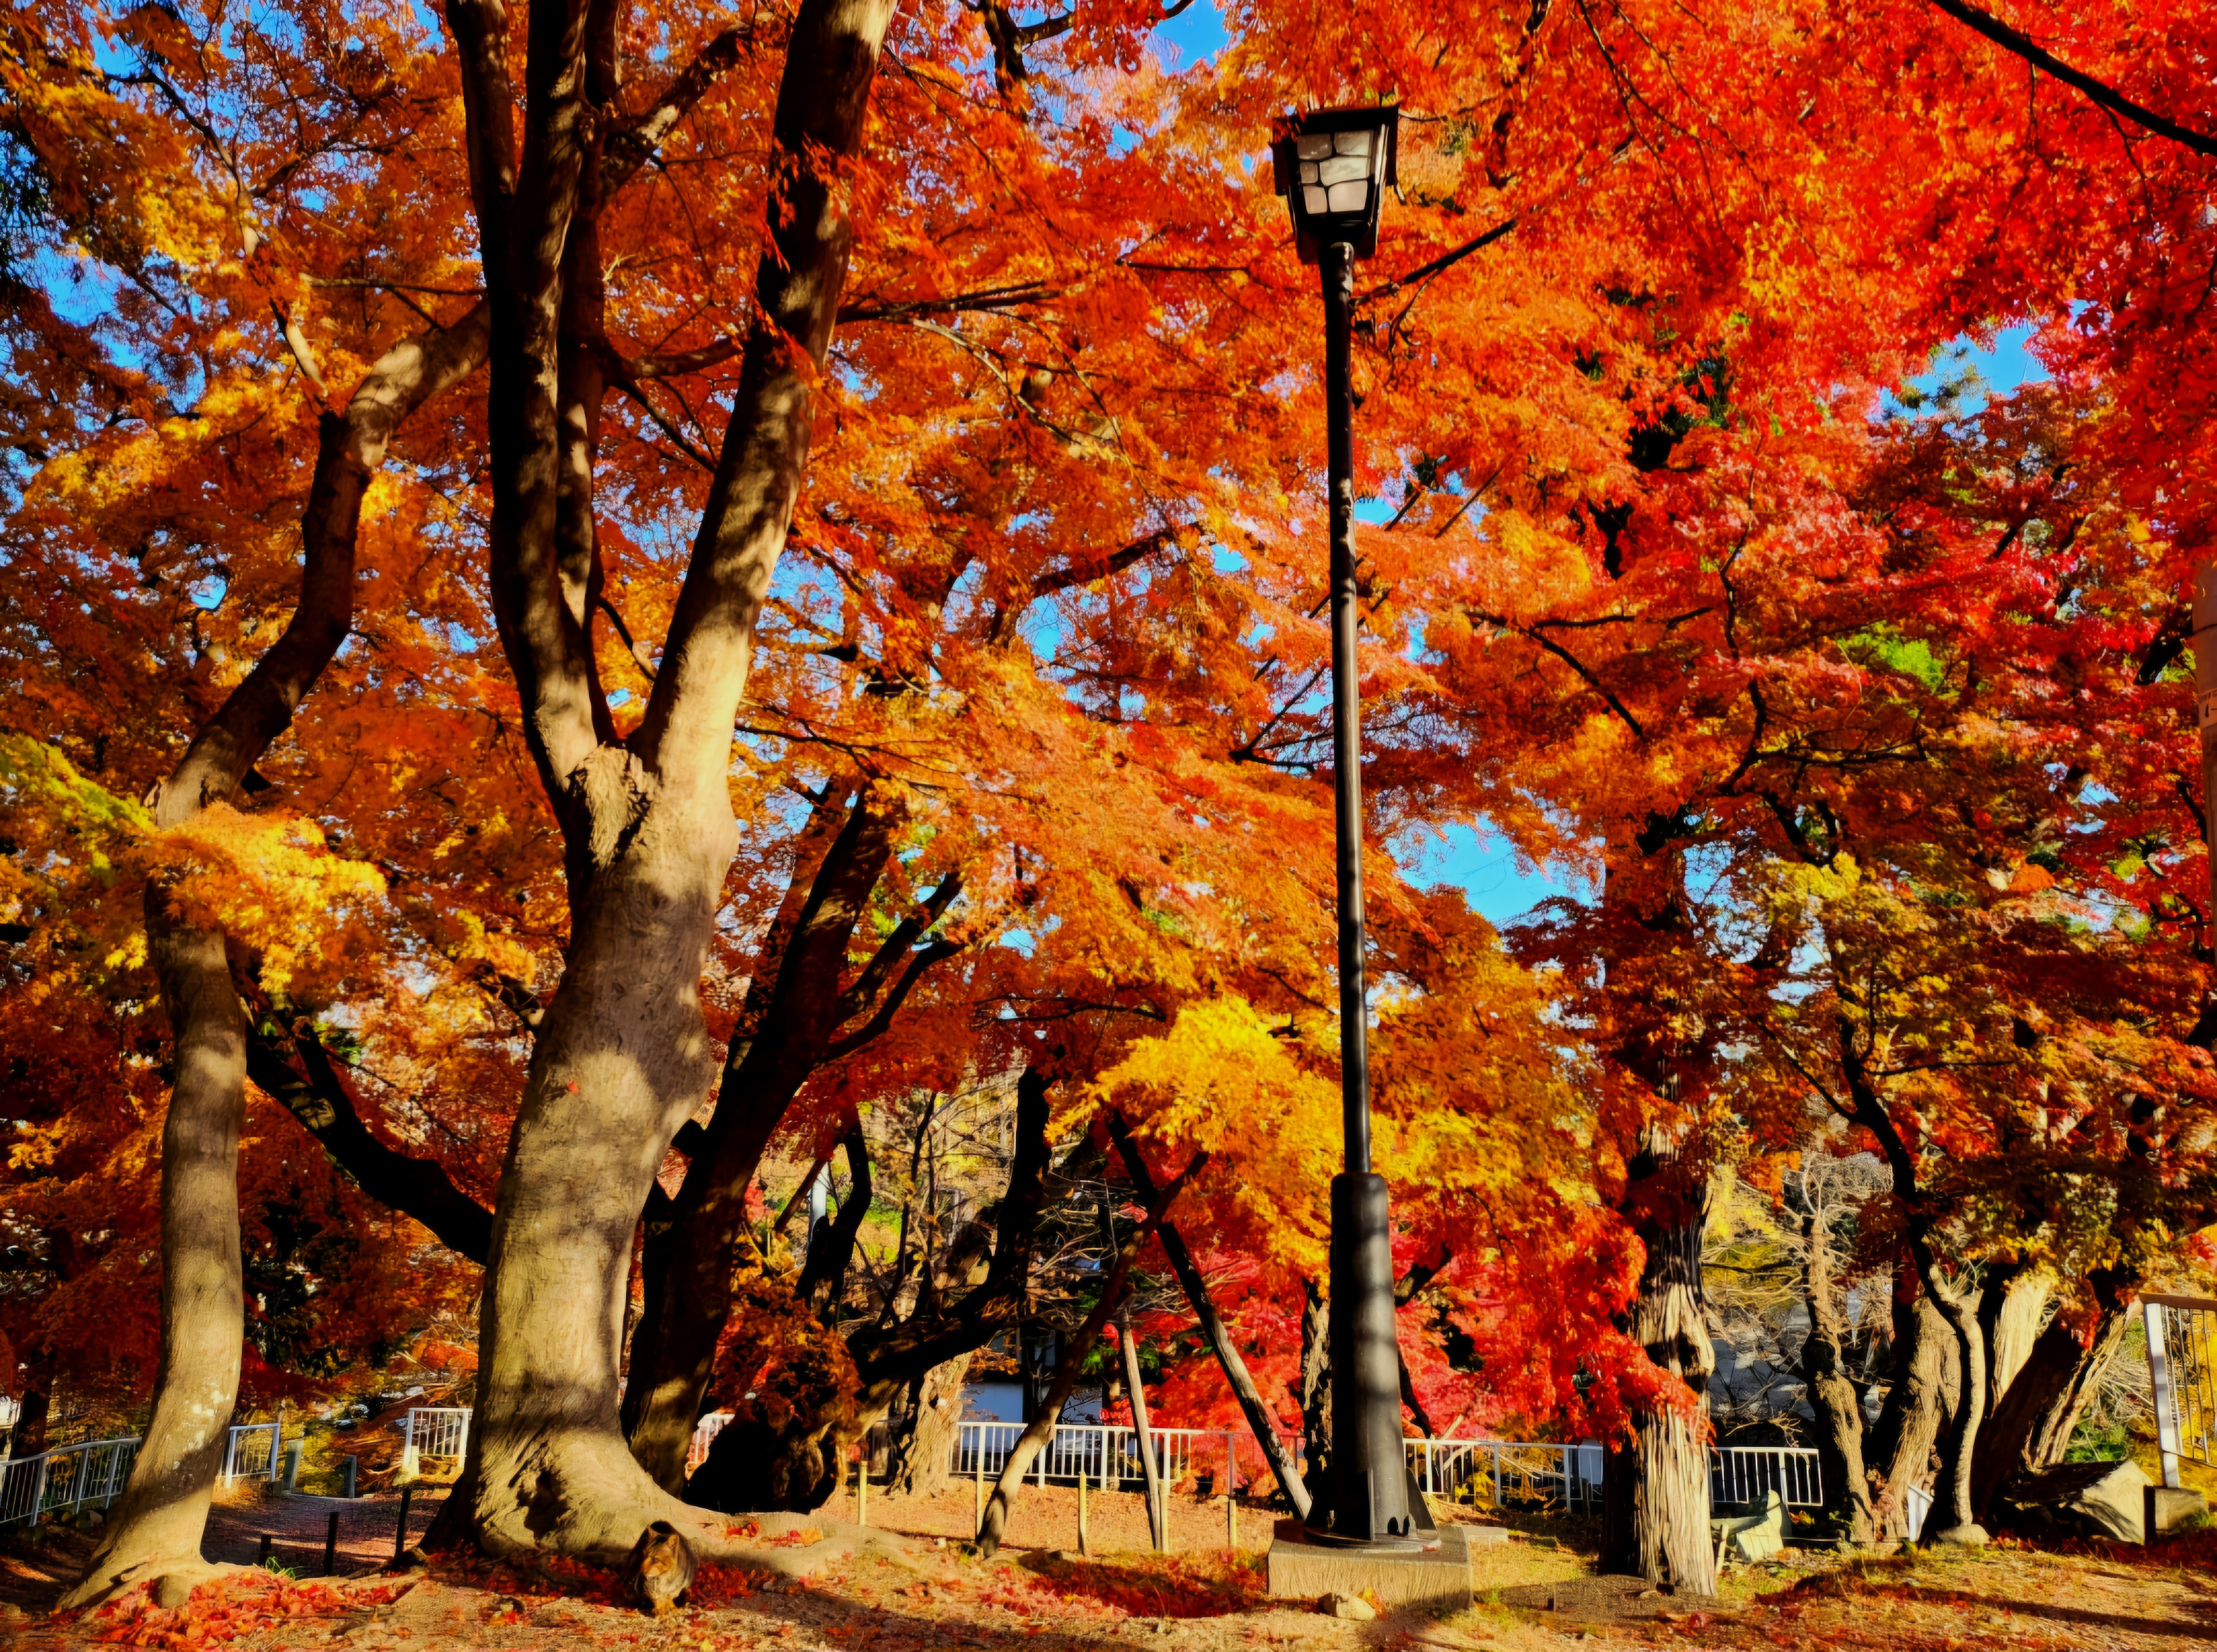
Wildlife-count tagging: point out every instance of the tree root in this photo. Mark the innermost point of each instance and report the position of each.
(102, 1583)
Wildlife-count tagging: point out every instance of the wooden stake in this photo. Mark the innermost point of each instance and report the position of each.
(862, 1491)
(977, 1503)
(1084, 1532)
(1230, 1521)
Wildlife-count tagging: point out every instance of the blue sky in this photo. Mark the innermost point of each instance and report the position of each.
(1195, 33)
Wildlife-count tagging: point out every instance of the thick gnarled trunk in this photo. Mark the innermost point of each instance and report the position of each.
(1927, 1378)
(1655, 1486)
(2038, 1409)
(547, 1465)
(1833, 1396)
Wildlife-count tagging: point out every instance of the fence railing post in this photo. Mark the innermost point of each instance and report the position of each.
(2166, 1404)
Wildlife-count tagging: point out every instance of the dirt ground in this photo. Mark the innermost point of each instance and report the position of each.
(1205, 1597)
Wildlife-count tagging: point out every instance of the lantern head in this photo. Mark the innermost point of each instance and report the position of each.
(1334, 166)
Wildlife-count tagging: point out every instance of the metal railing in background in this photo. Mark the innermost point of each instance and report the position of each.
(2182, 1346)
(1102, 1452)
(1746, 1474)
(67, 1476)
(444, 1431)
(1504, 1470)
(251, 1453)
(1509, 1470)
(704, 1436)
(432, 1431)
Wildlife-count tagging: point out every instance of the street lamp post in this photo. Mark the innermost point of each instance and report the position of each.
(1333, 166)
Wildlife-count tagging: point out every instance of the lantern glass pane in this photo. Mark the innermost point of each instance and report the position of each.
(1342, 168)
(1308, 172)
(1312, 198)
(1349, 197)
(1354, 142)
(1313, 147)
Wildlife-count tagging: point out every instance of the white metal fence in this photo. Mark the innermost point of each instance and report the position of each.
(1745, 1474)
(431, 1431)
(1915, 1506)
(251, 1453)
(1511, 1470)
(66, 1478)
(1100, 1453)
(444, 1431)
(1514, 1470)
(704, 1435)
(2182, 1346)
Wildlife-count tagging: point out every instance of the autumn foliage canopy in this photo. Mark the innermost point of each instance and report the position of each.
(1850, 709)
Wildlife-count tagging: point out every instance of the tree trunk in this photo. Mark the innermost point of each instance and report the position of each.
(1953, 1512)
(2011, 1312)
(1952, 1519)
(1151, 1472)
(1833, 1396)
(28, 1437)
(1927, 1377)
(1260, 1422)
(158, 1526)
(622, 1058)
(1316, 1388)
(1655, 1487)
(921, 1457)
(2038, 1411)
(789, 1028)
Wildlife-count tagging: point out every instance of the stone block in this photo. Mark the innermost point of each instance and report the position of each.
(2164, 1509)
(1755, 1535)
(2081, 1500)
(1437, 1578)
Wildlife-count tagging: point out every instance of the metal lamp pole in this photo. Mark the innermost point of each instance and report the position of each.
(1369, 1495)
(1334, 166)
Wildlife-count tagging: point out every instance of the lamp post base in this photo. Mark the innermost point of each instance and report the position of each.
(1395, 1571)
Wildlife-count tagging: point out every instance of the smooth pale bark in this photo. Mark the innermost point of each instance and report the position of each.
(622, 1058)
(1655, 1487)
(1143, 1429)
(794, 1007)
(1833, 1396)
(156, 1529)
(1212, 1327)
(2011, 1313)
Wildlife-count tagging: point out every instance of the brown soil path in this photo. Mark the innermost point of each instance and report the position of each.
(2085, 1597)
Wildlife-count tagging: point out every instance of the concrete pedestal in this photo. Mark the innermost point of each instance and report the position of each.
(1439, 1578)
(2167, 1508)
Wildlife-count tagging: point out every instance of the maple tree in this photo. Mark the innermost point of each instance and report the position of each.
(946, 430)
